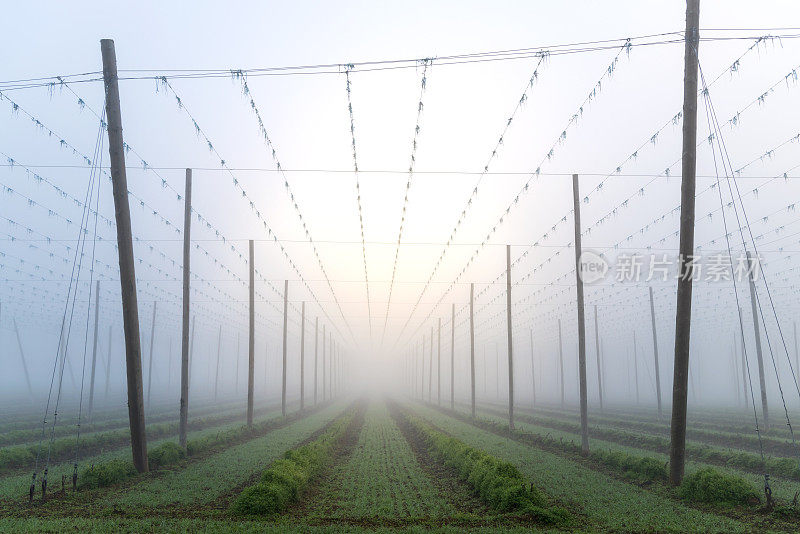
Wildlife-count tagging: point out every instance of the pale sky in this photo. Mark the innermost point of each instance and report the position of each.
(465, 109)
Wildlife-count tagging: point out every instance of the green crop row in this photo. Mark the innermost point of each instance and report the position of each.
(285, 480)
(785, 467)
(117, 470)
(497, 482)
(62, 448)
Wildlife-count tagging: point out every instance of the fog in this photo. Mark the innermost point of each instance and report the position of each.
(624, 141)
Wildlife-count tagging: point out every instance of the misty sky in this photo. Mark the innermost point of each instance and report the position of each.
(465, 110)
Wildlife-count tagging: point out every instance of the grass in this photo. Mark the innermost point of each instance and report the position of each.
(286, 479)
(498, 482)
(711, 486)
(382, 480)
(599, 501)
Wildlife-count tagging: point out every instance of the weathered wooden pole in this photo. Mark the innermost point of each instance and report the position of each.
(108, 361)
(302, 355)
(756, 329)
(561, 362)
(510, 344)
(533, 372)
(683, 312)
(25, 365)
(655, 352)
(187, 249)
(94, 349)
(430, 368)
(285, 319)
(472, 344)
(439, 364)
(744, 358)
(796, 352)
(597, 353)
(152, 341)
(453, 356)
(127, 272)
(581, 320)
(636, 367)
(238, 360)
(735, 367)
(219, 350)
(316, 342)
(251, 342)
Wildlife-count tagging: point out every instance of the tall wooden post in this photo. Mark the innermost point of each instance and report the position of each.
(597, 353)
(796, 352)
(302, 356)
(472, 345)
(127, 272)
(152, 340)
(757, 331)
(324, 383)
(655, 352)
(683, 312)
(285, 319)
(25, 365)
(430, 368)
(219, 351)
(561, 362)
(251, 342)
(316, 342)
(576, 202)
(453, 356)
(744, 359)
(636, 367)
(735, 368)
(108, 361)
(94, 349)
(533, 372)
(439, 364)
(238, 360)
(187, 249)
(510, 344)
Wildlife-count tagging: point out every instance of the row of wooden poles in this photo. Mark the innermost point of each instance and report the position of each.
(684, 292)
(333, 373)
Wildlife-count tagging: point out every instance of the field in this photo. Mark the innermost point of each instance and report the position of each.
(399, 464)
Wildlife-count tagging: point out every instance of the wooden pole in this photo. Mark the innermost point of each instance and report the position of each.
(533, 372)
(108, 361)
(744, 359)
(796, 352)
(510, 344)
(219, 350)
(324, 383)
(683, 313)
(430, 368)
(735, 368)
(251, 342)
(25, 365)
(439, 364)
(187, 249)
(472, 344)
(757, 331)
(636, 368)
(302, 355)
(581, 319)
(316, 341)
(94, 349)
(150, 364)
(285, 319)
(238, 360)
(453, 356)
(597, 353)
(127, 272)
(561, 362)
(655, 352)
